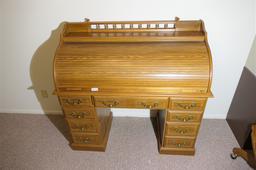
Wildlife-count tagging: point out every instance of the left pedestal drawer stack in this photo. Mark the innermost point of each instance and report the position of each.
(89, 127)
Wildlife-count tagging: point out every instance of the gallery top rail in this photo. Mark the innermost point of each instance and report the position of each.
(134, 31)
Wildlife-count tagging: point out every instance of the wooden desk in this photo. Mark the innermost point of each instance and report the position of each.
(160, 65)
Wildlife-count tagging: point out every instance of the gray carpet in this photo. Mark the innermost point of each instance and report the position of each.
(35, 142)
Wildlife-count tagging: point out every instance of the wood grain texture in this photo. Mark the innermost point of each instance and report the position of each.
(162, 65)
(153, 65)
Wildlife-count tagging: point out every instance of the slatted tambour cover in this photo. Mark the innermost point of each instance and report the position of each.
(133, 63)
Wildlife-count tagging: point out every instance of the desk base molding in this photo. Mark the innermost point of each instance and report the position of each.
(177, 151)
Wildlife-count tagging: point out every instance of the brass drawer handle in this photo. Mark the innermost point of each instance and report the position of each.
(181, 131)
(179, 145)
(83, 129)
(111, 104)
(187, 106)
(184, 118)
(148, 106)
(86, 127)
(81, 139)
(87, 140)
(79, 115)
(72, 101)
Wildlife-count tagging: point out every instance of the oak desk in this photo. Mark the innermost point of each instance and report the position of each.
(160, 65)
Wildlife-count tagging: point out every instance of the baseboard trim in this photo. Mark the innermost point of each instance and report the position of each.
(23, 111)
(215, 116)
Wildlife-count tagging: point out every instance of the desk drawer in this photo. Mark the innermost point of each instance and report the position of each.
(83, 126)
(179, 129)
(84, 113)
(85, 139)
(187, 104)
(131, 102)
(75, 101)
(183, 117)
(179, 142)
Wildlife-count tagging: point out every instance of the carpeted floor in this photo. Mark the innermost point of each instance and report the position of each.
(35, 142)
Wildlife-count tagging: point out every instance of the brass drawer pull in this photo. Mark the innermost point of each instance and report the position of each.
(181, 131)
(148, 106)
(179, 145)
(86, 127)
(78, 115)
(184, 118)
(87, 140)
(72, 101)
(83, 128)
(187, 106)
(111, 104)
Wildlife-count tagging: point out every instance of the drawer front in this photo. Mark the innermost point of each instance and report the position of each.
(179, 142)
(83, 126)
(196, 104)
(177, 129)
(132, 102)
(184, 117)
(85, 113)
(75, 101)
(85, 139)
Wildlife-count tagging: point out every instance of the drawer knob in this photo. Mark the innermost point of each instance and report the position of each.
(148, 106)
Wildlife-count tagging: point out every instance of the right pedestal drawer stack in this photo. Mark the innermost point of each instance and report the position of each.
(181, 124)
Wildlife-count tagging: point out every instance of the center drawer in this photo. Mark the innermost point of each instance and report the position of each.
(131, 102)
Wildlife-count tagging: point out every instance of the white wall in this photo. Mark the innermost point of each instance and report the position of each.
(28, 25)
(251, 61)
(1, 57)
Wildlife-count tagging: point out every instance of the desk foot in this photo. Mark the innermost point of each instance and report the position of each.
(246, 155)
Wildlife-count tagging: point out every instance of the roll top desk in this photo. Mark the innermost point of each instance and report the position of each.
(159, 65)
